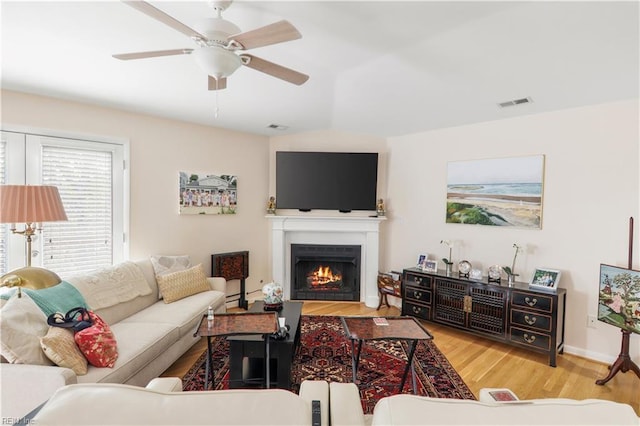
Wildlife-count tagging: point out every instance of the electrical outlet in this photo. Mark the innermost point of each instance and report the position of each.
(591, 321)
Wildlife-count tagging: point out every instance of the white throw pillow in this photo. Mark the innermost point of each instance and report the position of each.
(163, 265)
(22, 324)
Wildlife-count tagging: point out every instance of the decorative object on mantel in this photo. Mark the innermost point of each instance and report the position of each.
(618, 306)
(464, 268)
(273, 294)
(271, 205)
(448, 262)
(510, 271)
(380, 211)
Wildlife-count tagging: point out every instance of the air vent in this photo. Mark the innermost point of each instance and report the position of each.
(515, 102)
(277, 127)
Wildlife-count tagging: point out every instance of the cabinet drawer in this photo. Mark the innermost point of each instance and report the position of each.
(530, 319)
(416, 310)
(539, 302)
(419, 294)
(418, 280)
(530, 338)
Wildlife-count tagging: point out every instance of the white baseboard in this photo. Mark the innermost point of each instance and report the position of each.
(594, 356)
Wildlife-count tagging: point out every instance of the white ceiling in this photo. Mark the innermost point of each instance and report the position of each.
(380, 68)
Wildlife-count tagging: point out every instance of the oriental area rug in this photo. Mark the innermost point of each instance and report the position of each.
(325, 354)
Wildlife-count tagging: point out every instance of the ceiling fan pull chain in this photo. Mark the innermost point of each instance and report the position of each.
(215, 114)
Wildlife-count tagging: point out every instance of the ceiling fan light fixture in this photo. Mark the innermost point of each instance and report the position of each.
(217, 61)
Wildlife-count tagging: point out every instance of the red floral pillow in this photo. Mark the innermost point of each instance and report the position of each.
(97, 342)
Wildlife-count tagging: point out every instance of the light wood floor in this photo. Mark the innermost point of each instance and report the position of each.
(483, 363)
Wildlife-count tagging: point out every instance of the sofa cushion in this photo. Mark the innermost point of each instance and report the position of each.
(22, 324)
(122, 404)
(163, 265)
(138, 345)
(181, 284)
(111, 286)
(185, 314)
(415, 410)
(60, 347)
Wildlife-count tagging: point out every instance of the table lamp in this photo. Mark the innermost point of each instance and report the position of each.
(31, 205)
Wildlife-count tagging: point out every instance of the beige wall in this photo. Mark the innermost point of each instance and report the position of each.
(159, 149)
(590, 191)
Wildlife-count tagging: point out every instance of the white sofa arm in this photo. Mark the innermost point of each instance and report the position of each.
(165, 384)
(218, 284)
(346, 408)
(311, 390)
(25, 387)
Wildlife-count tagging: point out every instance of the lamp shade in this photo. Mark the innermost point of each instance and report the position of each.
(30, 204)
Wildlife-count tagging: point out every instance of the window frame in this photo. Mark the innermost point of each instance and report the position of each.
(29, 171)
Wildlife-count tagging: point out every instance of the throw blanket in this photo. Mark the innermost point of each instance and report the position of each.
(59, 298)
(110, 286)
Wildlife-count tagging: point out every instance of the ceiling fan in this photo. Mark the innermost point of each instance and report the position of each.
(218, 40)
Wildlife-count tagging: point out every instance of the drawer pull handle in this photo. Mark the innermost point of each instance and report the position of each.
(416, 310)
(417, 294)
(417, 280)
(529, 339)
(530, 320)
(531, 302)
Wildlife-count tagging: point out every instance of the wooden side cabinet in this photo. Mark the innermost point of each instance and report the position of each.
(516, 315)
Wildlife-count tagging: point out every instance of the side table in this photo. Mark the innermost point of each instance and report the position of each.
(378, 328)
(265, 323)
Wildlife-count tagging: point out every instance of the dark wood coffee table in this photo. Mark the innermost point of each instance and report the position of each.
(247, 353)
(263, 323)
(359, 329)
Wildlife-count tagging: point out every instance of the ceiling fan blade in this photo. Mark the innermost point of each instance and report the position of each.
(274, 70)
(152, 54)
(159, 15)
(277, 32)
(222, 83)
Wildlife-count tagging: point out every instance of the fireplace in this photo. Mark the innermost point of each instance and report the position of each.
(325, 272)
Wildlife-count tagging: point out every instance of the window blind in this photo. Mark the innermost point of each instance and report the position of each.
(84, 180)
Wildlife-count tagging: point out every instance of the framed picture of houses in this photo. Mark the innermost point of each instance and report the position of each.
(207, 193)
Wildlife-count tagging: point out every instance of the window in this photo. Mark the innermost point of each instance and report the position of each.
(92, 181)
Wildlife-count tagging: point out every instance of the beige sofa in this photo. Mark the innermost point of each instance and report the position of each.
(406, 409)
(151, 335)
(163, 403)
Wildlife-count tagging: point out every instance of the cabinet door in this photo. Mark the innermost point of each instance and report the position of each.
(488, 310)
(448, 306)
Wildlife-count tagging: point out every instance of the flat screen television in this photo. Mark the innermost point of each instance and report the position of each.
(343, 181)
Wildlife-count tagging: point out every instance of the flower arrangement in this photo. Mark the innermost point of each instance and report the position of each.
(510, 271)
(448, 243)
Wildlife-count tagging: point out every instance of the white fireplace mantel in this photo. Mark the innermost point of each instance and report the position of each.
(352, 230)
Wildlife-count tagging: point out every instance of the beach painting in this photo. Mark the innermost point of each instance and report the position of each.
(496, 192)
(207, 193)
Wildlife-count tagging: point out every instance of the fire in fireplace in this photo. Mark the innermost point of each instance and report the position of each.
(325, 272)
(323, 278)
